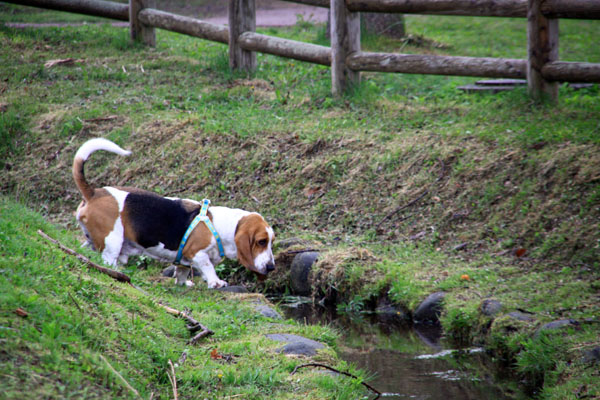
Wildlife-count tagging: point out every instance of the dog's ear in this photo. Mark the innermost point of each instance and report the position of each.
(243, 242)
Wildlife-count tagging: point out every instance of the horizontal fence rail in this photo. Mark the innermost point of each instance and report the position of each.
(564, 71)
(438, 65)
(186, 25)
(542, 69)
(98, 8)
(577, 9)
(285, 48)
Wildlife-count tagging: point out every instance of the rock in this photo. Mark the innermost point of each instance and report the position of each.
(267, 311)
(521, 316)
(296, 345)
(299, 271)
(558, 324)
(430, 309)
(233, 289)
(490, 307)
(592, 356)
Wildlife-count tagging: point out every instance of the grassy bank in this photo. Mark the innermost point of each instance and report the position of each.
(407, 185)
(76, 325)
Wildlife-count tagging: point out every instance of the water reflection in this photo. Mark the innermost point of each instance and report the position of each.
(405, 361)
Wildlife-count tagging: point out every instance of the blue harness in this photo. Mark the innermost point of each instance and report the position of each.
(204, 218)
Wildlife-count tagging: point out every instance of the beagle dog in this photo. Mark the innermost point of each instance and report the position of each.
(123, 221)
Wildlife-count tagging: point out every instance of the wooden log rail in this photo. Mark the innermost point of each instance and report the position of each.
(186, 25)
(576, 9)
(542, 68)
(98, 8)
(313, 53)
(438, 65)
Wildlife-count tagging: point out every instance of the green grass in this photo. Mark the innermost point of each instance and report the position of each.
(75, 316)
(501, 174)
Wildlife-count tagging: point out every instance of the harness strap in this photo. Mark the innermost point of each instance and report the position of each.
(204, 218)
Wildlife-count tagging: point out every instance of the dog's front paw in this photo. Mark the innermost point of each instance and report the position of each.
(189, 283)
(217, 284)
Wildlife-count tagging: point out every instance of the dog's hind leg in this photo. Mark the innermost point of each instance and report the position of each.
(113, 243)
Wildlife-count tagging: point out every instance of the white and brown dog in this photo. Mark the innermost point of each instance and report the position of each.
(124, 221)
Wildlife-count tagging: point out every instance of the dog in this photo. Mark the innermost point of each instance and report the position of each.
(122, 221)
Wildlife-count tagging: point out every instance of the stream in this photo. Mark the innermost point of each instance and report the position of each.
(408, 362)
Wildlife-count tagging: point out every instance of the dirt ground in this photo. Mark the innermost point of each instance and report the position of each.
(268, 13)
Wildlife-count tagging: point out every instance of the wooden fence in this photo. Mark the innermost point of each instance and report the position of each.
(542, 68)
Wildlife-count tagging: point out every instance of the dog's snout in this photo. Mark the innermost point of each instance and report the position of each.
(270, 267)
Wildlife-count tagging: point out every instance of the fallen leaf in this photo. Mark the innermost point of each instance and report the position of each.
(520, 252)
(21, 313)
(214, 354)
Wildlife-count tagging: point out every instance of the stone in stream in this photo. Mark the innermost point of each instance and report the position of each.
(430, 309)
(299, 272)
(296, 345)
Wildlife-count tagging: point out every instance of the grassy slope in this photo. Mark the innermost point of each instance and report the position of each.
(501, 173)
(75, 316)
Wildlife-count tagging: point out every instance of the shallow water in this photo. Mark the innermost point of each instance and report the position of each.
(406, 362)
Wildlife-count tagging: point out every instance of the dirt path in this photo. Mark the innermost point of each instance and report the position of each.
(268, 13)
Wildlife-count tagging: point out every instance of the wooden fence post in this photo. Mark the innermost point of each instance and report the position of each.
(345, 40)
(542, 47)
(137, 30)
(242, 18)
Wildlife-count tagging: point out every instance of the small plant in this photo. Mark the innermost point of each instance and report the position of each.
(540, 356)
(460, 325)
(354, 306)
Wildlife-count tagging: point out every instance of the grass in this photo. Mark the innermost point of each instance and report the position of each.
(76, 316)
(502, 175)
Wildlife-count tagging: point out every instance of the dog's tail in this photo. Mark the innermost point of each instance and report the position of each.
(81, 157)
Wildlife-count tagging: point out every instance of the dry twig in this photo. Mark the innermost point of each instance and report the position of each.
(173, 380)
(121, 277)
(193, 326)
(371, 388)
(114, 371)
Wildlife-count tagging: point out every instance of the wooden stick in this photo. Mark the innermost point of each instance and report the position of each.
(371, 388)
(121, 277)
(120, 376)
(193, 326)
(173, 380)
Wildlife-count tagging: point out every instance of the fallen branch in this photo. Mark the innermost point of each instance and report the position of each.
(193, 326)
(371, 388)
(173, 380)
(114, 371)
(121, 277)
